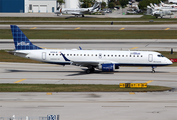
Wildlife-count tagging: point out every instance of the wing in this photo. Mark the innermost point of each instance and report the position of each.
(76, 13)
(85, 63)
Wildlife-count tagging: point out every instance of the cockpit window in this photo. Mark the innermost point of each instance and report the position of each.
(160, 55)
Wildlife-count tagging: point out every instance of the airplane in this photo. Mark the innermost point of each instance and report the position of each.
(163, 7)
(79, 11)
(168, 5)
(160, 11)
(104, 60)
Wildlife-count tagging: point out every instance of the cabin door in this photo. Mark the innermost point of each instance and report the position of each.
(150, 58)
(43, 55)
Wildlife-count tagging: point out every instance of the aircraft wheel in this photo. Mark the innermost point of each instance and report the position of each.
(153, 71)
(92, 70)
(88, 71)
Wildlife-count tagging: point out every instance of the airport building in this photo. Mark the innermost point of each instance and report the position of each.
(41, 6)
(12, 6)
(26, 6)
(36, 6)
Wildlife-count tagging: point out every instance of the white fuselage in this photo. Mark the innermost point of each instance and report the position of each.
(129, 58)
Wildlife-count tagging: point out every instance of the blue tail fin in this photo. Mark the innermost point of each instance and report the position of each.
(21, 41)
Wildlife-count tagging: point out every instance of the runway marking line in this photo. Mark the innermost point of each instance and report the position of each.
(77, 28)
(131, 93)
(167, 28)
(133, 48)
(49, 93)
(19, 80)
(121, 28)
(149, 81)
(33, 28)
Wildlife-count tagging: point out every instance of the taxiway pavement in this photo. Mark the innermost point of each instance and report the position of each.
(56, 74)
(88, 105)
(95, 27)
(100, 44)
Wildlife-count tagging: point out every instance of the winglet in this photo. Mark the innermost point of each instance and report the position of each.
(80, 48)
(95, 6)
(66, 59)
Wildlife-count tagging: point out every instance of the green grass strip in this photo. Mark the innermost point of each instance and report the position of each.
(87, 23)
(94, 34)
(75, 88)
(87, 18)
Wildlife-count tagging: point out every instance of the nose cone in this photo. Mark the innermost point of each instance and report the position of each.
(169, 62)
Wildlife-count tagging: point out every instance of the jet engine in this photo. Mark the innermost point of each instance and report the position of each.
(107, 67)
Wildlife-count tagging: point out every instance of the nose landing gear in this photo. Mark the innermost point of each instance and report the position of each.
(153, 69)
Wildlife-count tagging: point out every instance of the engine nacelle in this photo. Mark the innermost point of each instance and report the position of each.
(107, 67)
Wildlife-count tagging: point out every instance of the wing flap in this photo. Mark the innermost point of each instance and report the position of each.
(17, 53)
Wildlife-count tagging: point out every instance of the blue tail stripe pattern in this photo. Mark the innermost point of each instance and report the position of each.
(21, 41)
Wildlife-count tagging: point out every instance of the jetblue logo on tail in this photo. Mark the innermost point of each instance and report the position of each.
(23, 44)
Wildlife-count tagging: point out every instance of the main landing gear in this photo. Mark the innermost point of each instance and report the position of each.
(90, 70)
(153, 69)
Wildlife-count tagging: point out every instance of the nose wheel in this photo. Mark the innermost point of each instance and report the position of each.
(153, 69)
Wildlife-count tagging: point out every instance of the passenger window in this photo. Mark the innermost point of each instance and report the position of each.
(111, 55)
(80, 54)
(84, 54)
(88, 55)
(130, 56)
(126, 55)
(49, 54)
(96, 55)
(122, 55)
(115, 55)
